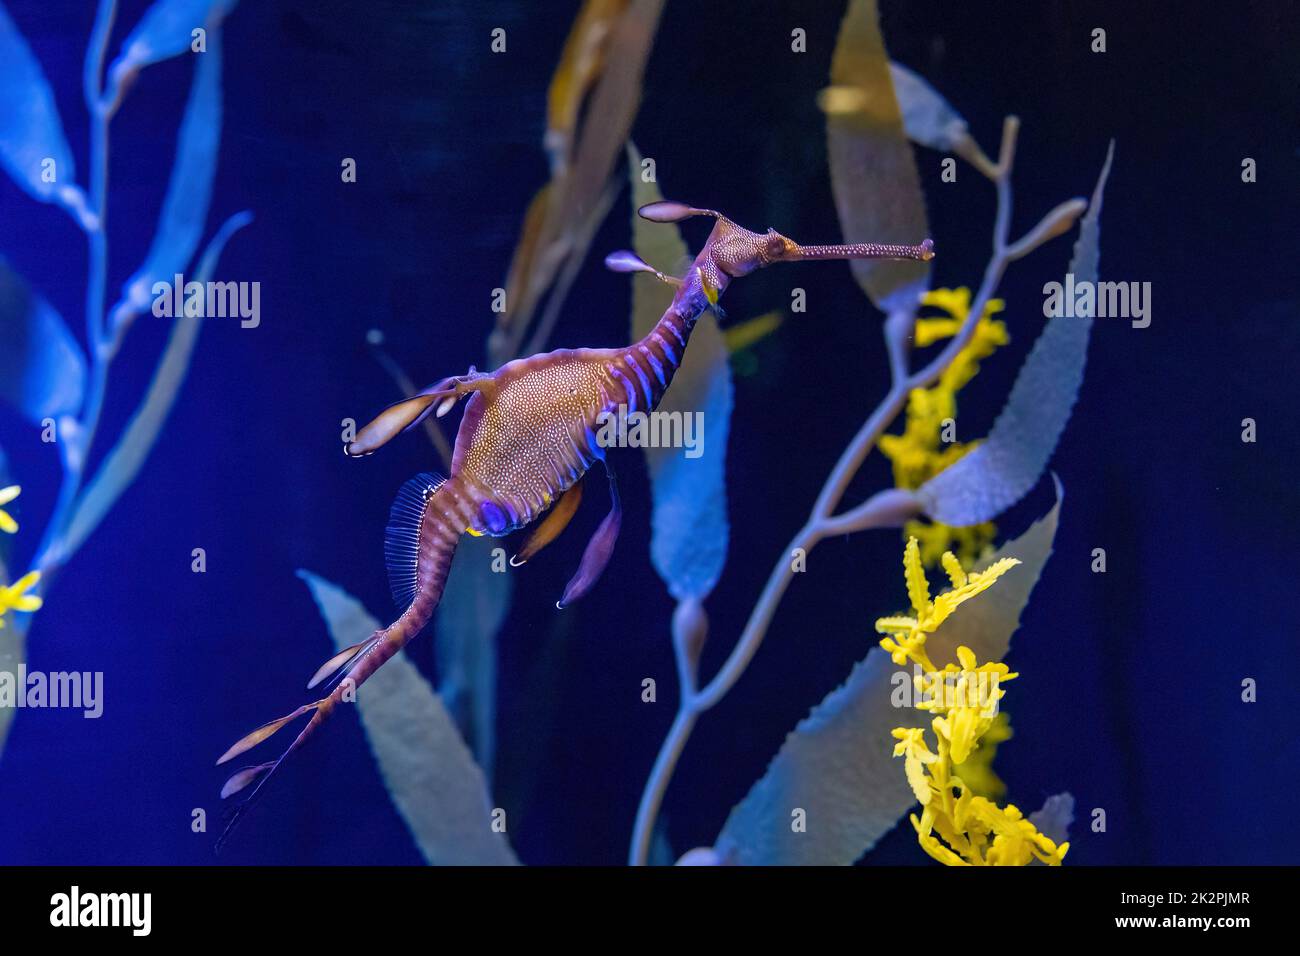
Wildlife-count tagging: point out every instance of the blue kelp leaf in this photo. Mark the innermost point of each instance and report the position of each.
(123, 462)
(873, 172)
(1055, 817)
(981, 485)
(436, 786)
(689, 535)
(42, 367)
(30, 129)
(928, 118)
(165, 31)
(474, 604)
(838, 764)
(189, 192)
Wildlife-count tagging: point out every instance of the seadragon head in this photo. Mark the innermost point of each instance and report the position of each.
(737, 251)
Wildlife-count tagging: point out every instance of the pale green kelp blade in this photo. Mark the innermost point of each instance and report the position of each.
(873, 172)
(430, 774)
(928, 119)
(838, 764)
(689, 535)
(474, 605)
(1000, 471)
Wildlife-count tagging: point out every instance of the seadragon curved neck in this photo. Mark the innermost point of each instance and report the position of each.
(664, 346)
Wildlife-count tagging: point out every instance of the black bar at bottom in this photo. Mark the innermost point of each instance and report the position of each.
(368, 905)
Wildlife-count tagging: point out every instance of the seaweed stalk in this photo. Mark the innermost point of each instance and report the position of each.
(82, 499)
(51, 553)
(889, 508)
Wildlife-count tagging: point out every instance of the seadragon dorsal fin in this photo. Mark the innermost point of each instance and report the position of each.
(402, 538)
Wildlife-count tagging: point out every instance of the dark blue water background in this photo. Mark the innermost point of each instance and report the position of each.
(1130, 687)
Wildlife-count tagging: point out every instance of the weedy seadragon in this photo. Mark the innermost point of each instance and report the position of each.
(526, 440)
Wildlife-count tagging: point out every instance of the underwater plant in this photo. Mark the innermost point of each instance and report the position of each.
(528, 434)
(926, 445)
(873, 108)
(57, 383)
(526, 440)
(967, 694)
(438, 772)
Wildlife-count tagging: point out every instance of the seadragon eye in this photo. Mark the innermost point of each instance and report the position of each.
(775, 244)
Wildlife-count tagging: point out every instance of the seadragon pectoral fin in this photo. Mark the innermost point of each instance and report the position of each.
(391, 422)
(599, 549)
(550, 527)
(624, 260)
(666, 210)
(404, 415)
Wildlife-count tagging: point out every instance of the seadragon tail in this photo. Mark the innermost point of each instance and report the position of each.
(429, 516)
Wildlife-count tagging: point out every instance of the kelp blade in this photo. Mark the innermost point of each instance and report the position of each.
(838, 764)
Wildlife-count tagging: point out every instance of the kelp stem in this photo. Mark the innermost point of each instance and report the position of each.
(662, 772)
(823, 521)
(51, 554)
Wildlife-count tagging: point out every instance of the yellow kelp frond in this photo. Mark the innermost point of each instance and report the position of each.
(969, 543)
(14, 598)
(921, 451)
(976, 771)
(960, 824)
(918, 589)
(976, 583)
(908, 632)
(990, 333)
(911, 744)
(7, 523)
(956, 575)
(968, 696)
(928, 614)
(1016, 841)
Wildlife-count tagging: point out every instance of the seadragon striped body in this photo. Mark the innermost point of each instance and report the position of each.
(527, 438)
